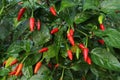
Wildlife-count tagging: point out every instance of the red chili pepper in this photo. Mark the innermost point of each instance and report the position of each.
(49, 65)
(102, 27)
(32, 23)
(20, 13)
(71, 32)
(57, 65)
(43, 50)
(101, 41)
(38, 24)
(14, 62)
(53, 31)
(70, 38)
(53, 11)
(37, 67)
(81, 46)
(16, 68)
(85, 53)
(70, 56)
(20, 74)
(12, 73)
(19, 69)
(89, 60)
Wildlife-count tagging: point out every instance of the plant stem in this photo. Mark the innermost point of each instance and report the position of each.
(24, 59)
(82, 32)
(52, 73)
(85, 35)
(61, 78)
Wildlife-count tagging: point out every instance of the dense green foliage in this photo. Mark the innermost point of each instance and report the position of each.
(18, 42)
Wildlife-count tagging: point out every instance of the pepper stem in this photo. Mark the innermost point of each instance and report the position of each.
(24, 59)
(61, 78)
(86, 42)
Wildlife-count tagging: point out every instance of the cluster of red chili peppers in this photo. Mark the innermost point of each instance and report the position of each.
(53, 31)
(38, 23)
(70, 36)
(85, 50)
(31, 20)
(17, 71)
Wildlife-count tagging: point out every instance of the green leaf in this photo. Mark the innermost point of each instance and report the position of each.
(42, 36)
(28, 72)
(52, 52)
(68, 75)
(66, 4)
(79, 66)
(14, 48)
(39, 77)
(114, 22)
(18, 46)
(105, 59)
(32, 59)
(90, 4)
(110, 36)
(5, 29)
(67, 11)
(27, 45)
(76, 67)
(94, 71)
(118, 78)
(4, 71)
(20, 29)
(43, 70)
(109, 6)
(81, 17)
(68, 15)
(23, 78)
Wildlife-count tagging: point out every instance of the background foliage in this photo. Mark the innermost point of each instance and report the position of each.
(16, 40)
